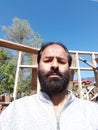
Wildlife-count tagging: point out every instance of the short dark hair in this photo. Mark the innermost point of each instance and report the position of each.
(51, 43)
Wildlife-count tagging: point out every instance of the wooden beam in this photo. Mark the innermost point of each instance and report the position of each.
(88, 63)
(18, 47)
(34, 81)
(96, 60)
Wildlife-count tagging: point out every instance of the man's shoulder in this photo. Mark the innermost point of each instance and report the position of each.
(25, 99)
(21, 103)
(87, 104)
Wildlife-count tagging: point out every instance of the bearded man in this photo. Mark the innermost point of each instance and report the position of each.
(54, 107)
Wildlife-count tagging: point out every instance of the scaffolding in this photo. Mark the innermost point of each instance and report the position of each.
(90, 60)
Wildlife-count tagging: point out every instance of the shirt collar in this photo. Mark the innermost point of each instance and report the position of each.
(45, 98)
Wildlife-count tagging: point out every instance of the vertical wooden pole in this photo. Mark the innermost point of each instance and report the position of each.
(34, 75)
(95, 72)
(17, 75)
(72, 72)
(79, 75)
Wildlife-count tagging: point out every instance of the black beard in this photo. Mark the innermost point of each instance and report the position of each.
(53, 85)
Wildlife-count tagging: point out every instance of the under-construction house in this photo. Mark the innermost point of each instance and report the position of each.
(82, 62)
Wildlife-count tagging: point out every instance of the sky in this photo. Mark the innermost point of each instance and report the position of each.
(73, 22)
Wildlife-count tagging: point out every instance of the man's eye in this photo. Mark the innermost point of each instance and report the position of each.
(47, 60)
(61, 61)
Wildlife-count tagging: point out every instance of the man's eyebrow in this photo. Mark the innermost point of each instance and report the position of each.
(48, 56)
(61, 58)
(58, 57)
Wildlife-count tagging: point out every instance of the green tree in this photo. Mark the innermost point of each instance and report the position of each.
(7, 69)
(21, 32)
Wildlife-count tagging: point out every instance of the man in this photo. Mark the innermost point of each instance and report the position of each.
(54, 107)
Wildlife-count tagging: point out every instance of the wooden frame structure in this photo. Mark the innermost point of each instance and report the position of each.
(75, 67)
(90, 66)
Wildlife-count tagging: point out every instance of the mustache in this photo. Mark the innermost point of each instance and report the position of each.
(52, 72)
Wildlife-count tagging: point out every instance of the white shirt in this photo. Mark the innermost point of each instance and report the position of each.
(36, 112)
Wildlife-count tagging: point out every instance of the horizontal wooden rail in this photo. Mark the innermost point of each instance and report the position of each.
(18, 47)
(28, 66)
(5, 103)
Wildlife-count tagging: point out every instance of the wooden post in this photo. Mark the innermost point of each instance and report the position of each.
(72, 72)
(17, 76)
(34, 75)
(95, 72)
(79, 75)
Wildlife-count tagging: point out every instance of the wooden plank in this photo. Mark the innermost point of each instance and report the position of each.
(28, 66)
(5, 103)
(18, 47)
(88, 63)
(82, 68)
(34, 81)
(96, 60)
(78, 75)
(17, 75)
(82, 52)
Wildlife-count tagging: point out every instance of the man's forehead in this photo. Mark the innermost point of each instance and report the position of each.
(54, 50)
(54, 47)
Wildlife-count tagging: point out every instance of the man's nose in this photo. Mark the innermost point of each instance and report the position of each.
(54, 64)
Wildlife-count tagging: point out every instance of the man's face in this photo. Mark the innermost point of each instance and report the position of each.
(53, 70)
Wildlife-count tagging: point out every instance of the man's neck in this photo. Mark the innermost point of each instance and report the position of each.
(59, 98)
(59, 101)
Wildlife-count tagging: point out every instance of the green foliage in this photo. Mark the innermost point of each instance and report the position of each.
(74, 88)
(18, 31)
(7, 72)
(24, 85)
(21, 32)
